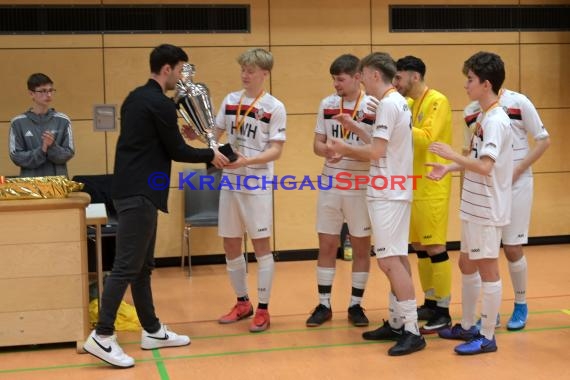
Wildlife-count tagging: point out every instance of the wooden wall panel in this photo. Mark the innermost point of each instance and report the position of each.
(298, 158)
(76, 92)
(52, 41)
(7, 168)
(557, 157)
(545, 37)
(551, 205)
(320, 22)
(205, 241)
(301, 77)
(458, 128)
(125, 69)
(128, 68)
(90, 152)
(381, 34)
(217, 67)
(545, 75)
(444, 64)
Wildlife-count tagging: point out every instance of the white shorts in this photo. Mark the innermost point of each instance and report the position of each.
(516, 233)
(241, 212)
(390, 226)
(333, 209)
(480, 241)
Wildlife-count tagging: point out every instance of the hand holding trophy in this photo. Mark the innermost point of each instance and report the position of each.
(195, 106)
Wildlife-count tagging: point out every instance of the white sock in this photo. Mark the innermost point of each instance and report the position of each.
(492, 292)
(470, 289)
(359, 280)
(409, 315)
(237, 272)
(325, 277)
(265, 271)
(395, 321)
(519, 276)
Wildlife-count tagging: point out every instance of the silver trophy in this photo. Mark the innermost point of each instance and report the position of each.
(195, 106)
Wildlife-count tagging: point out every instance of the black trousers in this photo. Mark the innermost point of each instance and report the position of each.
(134, 261)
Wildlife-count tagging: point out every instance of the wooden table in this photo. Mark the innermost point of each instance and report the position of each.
(44, 294)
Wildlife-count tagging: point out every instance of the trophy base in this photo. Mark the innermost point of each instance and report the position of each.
(227, 151)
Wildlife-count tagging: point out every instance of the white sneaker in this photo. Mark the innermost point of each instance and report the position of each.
(108, 350)
(163, 338)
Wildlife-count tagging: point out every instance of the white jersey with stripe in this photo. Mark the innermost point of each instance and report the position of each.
(394, 124)
(265, 122)
(524, 120)
(486, 199)
(326, 125)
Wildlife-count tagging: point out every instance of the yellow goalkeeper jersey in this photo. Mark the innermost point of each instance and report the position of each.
(431, 122)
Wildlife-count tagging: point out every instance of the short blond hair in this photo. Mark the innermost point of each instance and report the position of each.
(258, 57)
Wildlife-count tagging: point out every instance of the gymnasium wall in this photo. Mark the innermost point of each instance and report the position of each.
(304, 36)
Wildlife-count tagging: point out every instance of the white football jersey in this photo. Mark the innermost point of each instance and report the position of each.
(265, 122)
(326, 125)
(394, 124)
(486, 199)
(524, 120)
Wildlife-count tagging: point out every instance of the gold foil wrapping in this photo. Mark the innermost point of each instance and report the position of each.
(37, 187)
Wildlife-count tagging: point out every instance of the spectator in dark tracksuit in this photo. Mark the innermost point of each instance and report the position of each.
(41, 140)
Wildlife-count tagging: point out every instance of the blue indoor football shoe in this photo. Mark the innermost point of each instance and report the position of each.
(519, 317)
(458, 332)
(478, 345)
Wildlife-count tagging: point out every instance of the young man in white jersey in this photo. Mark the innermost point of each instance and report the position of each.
(485, 203)
(336, 205)
(255, 123)
(389, 203)
(431, 121)
(524, 120)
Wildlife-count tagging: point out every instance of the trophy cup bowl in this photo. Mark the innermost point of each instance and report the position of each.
(195, 107)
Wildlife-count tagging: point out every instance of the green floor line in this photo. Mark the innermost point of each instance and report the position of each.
(160, 365)
(321, 328)
(161, 359)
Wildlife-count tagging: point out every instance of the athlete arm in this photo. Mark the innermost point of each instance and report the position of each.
(533, 125)
(28, 159)
(351, 125)
(320, 145)
(61, 153)
(358, 152)
(533, 155)
(482, 166)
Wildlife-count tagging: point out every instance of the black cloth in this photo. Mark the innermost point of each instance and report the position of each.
(148, 142)
(134, 262)
(99, 186)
